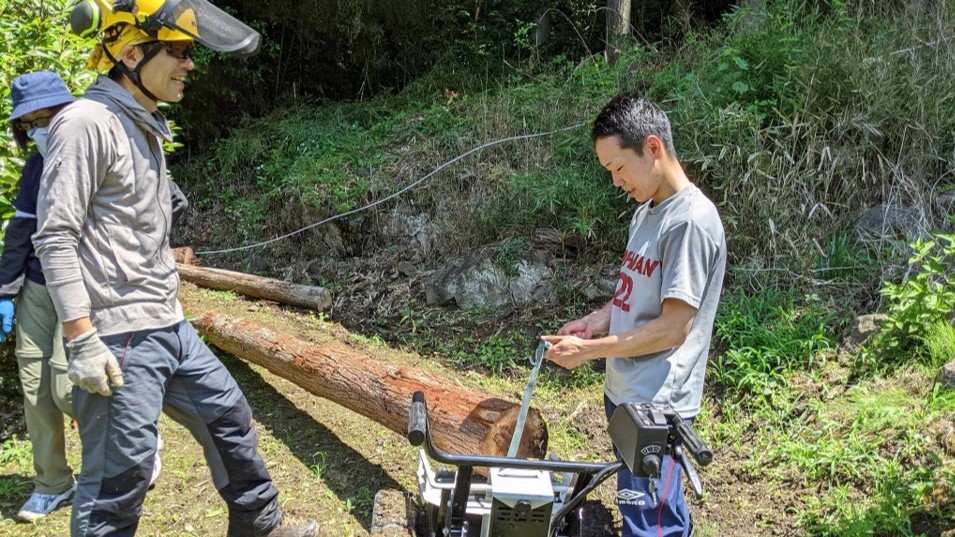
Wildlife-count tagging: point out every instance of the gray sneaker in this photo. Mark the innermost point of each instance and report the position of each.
(295, 527)
(40, 505)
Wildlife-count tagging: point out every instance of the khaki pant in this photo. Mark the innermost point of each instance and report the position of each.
(47, 392)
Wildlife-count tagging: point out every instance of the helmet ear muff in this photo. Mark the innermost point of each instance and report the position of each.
(85, 18)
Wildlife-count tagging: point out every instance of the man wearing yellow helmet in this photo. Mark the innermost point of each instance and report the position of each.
(103, 239)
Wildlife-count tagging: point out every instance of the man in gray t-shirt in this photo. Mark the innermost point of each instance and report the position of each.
(660, 319)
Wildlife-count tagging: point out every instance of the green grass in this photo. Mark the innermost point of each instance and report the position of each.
(224, 295)
(793, 127)
(939, 341)
(878, 462)
(766, 336)
(861, 463)
(16, 451)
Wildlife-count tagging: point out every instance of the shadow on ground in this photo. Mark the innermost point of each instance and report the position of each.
(345, 471)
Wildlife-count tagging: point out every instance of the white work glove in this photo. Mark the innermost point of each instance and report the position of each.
(92, 365)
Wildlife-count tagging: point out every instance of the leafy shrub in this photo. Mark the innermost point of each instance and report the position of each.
(916, 306)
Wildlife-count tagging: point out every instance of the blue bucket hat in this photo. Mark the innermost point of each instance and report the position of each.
(36, 91)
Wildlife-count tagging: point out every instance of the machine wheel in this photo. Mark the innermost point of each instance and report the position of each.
(393, 514)
(426, 520)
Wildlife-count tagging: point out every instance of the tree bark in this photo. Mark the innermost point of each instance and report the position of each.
(618, 26)
(462, 420)
(305, 296)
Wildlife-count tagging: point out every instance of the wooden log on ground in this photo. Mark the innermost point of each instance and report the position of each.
(305, 296)
(185, 256)
(462, 420)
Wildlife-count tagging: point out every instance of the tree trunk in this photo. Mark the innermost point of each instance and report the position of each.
(618, 26)
(462, 420)
(317, 298)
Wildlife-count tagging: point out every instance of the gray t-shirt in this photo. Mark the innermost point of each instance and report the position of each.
(676, 250)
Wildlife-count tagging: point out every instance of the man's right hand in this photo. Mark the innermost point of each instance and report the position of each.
(7, 311)
(92, 365)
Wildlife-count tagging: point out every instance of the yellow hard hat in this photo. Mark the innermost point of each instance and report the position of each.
(111, 44)
(165, 20)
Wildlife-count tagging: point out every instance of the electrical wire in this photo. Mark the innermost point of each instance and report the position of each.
(394, 194)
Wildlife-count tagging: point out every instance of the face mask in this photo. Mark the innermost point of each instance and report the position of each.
(39, 135)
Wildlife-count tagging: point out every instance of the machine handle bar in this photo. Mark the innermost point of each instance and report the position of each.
(419, 434)
(417, 419)
(691, 441)
(691, 475)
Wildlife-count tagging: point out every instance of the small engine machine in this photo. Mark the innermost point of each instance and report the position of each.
(540, 498)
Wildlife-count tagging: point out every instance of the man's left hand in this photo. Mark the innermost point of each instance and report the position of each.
(568, 352)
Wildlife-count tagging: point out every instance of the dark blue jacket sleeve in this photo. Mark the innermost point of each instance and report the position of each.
(18, 255)
(179, 202)
(25, 202)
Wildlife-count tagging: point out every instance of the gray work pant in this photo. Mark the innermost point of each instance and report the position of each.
(173, 370)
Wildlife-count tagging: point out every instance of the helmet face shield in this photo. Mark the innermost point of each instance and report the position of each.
(209, 25)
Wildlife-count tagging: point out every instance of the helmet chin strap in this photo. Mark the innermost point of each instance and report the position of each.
(149, 52)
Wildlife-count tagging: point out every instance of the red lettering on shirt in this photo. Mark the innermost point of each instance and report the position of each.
(639, 264)
(623, 292)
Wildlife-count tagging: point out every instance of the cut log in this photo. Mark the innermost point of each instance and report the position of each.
(305, 296)
(184, 255)
(462, 420)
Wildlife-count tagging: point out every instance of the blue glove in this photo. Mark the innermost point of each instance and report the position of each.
(6, 317)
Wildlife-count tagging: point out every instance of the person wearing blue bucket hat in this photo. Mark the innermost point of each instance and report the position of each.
(41, 358)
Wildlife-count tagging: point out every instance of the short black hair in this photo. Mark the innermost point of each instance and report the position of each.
(19, 136)
(632, 118)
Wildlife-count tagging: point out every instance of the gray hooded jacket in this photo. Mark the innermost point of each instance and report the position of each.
(105, 213)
